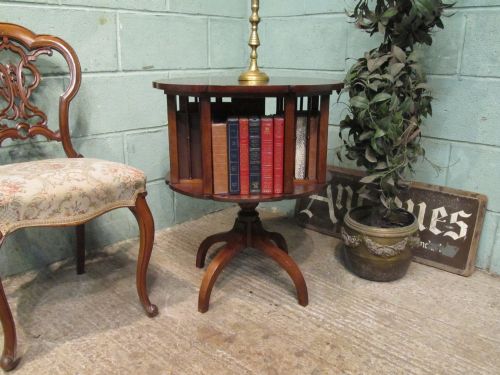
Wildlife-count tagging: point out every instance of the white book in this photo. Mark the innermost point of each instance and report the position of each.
(300, 147)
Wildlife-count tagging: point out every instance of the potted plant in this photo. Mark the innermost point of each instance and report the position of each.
(388, 101)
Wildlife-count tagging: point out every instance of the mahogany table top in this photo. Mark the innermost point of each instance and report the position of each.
(227, 85)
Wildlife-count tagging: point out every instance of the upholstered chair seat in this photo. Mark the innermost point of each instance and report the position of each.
(56, 192)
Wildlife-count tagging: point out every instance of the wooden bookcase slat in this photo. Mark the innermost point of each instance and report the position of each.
(206, 144)
(172, 137)
(289, 157)
(323, 138)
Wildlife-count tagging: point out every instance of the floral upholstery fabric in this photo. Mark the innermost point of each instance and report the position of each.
(64, 191)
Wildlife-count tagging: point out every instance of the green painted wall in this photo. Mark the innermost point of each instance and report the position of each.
(315, 38)
(124, 45)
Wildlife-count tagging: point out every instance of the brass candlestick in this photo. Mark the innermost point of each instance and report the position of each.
(253, 74)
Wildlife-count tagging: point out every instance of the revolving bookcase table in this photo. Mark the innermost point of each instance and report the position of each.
(200, 99)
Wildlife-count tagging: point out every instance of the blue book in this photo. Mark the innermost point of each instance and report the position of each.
(233, 149)
(254, 145)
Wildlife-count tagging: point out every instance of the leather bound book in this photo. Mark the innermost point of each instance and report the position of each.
(279, 137)
(300, 146)
(219, 158)
(233, 150)
(195, 143)
(183, 146)
(244, 158)
(312, 145)
(267, 136)
(254, 154)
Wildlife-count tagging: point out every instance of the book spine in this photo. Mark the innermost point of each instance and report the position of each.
(244, 158)
(219, 155)
(254, 154)
(312, 146)
(233, 149)
(300, 147)
(279, 137)
(267, 135)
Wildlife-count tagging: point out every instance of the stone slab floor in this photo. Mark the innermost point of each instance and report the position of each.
(431, 322)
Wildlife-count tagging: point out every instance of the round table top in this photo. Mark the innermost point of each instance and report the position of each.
(222, 85)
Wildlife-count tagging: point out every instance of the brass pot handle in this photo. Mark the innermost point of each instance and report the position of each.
(350, 241)
(376, 248)
(385, 250)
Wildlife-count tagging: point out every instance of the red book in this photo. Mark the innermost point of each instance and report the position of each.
(267, 158)
(279, 136)
(244, 158)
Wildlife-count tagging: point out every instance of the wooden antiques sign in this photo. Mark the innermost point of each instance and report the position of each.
(450, 221)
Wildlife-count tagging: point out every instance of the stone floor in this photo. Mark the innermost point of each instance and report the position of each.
(430, 322)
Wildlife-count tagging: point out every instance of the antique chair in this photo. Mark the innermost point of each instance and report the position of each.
(57, 192)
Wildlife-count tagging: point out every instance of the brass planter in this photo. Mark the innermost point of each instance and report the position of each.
(378, 254)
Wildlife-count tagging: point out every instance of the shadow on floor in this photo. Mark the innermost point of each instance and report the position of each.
(102, 299)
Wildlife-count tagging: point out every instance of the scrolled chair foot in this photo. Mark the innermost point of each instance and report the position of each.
(8, 362)
(151, 310)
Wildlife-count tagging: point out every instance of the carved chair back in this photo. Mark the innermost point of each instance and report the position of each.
(20, 118)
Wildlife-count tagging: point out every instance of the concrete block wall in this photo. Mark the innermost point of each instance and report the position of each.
(123, 46)
(302, 37)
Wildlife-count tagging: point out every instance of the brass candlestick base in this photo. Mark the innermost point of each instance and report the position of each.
(257, 76)
(253, 74)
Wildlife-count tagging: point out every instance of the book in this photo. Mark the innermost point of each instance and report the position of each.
(254, 153)
(233, 151)
(183, 145)
(244, 158)
(219, 158)
(300, 146)
(195, 145)
(312, 145)
(266, 159)
(279, 137)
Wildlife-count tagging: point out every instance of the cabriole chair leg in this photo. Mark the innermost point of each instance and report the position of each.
(147, 232)
(9, 359)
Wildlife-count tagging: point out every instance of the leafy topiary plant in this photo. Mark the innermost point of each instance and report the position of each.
(389, 96)
(404, 23)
